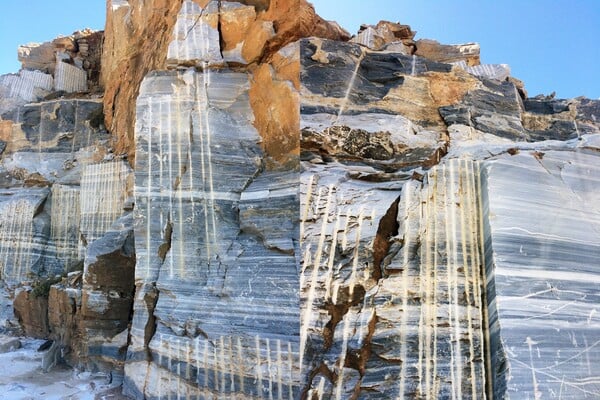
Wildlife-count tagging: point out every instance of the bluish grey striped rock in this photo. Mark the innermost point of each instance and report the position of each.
(543, 242)
(196, 36)
(51, 139)
(494, 108)
(339, 220)
(217, 307)
(499, 72)
(24, 233)
(22, 87)
(403, 311)
(69, 78)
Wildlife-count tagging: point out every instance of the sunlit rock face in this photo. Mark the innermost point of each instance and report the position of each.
(420, 277)
(438, 238)
(216, 312)
(62, 191)
(544, 323)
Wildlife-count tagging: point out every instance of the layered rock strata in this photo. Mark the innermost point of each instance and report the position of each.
(411, 284)
(544, 267)
(216, 230)
(398, 264)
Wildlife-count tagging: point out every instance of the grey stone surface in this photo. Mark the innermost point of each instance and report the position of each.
(196, 36)
(23, 235)
(9, 343)
(212, 260)
(544, 292)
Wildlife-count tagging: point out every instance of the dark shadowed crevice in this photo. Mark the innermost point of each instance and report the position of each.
(337, 311)
(164, 248)
(388, 228)
(322, 370)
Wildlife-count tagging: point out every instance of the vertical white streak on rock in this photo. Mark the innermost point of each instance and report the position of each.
(356, 255)
(456, 356)
(406, 196)
(149, 188)
(167, 345)
(483, 276)
(269, 368)
(307, 312)
(208, 132)
(258, 367)
(170, 183)
(339, 389)
(206, 364)
(290, 371)
(279, 372)
(331, 258)
(241, 364)
(199, 110)
(64, 222)
(307, 204)
(232, 365)
(321, 388)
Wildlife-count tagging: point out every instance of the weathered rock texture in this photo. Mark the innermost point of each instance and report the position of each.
(309, 215)
(139, 36)
(62, 191)
(216, 230)
(418, 265)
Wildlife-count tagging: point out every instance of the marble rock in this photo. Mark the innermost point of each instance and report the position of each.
(394, 292)
(49, 140)
(25, 86)
(433, 50)
(203, 256)
(73, 61)
(24, 236)
(104, 189)
(499, 72)
(69, 78)
(107, 296)
(196, 35)
(543, 295)
(385, 33)
(8, 343)
(123, 69)
(493, 108)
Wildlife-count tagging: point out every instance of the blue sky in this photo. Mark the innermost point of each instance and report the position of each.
(552, 45)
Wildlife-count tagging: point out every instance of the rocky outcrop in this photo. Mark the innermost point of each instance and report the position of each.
(290, 213)
(411, 282)
(139, 39)
(210, 205)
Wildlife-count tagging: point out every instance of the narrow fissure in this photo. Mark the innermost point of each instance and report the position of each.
(388, 228)
(164, 248)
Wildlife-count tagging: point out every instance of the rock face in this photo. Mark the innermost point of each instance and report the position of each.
(291, 213)
(544, 264)
(246, 32)
(210, 205)
(418, 269)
